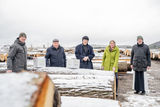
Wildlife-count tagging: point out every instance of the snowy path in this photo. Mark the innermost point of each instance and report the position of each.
(151, 99)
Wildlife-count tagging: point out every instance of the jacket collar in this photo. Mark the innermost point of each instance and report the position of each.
(55, 48)
(19, 42)
(140, 45)
(108, 47)
(84, 45)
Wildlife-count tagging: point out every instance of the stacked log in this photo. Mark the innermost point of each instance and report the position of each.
(121, 51)
(35, 54)
(27, 90)
(155, 55)
(127, 52)
(122, 66)
(82, 82)
(159, 56)
(100, 50)
(71, 51)
(5, 57)
(2, 58)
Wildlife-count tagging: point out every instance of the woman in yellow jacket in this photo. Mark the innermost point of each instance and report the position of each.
(110, 60)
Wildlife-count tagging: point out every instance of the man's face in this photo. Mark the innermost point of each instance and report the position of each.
(56, 44)
(139, 41)
(85, 42)
(22, 39)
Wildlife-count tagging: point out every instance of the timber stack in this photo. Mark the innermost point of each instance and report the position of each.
(82, 82)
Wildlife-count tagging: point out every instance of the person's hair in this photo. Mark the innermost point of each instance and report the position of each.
(113, 42)
(110, 49)
(22, 34)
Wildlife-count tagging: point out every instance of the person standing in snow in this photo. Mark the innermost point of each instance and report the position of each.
(17, 56)
(140, 62)
(84, 52)
(110, 60)
(55, 56)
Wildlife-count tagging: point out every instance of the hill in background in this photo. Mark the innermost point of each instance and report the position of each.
(155, 45)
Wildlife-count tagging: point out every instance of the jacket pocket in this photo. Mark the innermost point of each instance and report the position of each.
(144, 61)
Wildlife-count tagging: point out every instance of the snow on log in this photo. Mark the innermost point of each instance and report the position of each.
(82, 82)
(26, 90)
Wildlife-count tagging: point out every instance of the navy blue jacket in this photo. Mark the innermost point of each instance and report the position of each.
(55, 57)
(80, 54)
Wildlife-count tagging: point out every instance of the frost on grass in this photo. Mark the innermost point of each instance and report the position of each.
(16, 89)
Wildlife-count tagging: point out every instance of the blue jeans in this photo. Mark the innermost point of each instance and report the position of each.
(116, 75)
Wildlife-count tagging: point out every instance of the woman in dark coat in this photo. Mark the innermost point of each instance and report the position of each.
(84, 52)
(140, 62)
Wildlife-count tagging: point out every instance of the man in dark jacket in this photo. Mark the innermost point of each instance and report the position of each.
(140, 62)
(85, 53)
(17, 56)
(55, 56)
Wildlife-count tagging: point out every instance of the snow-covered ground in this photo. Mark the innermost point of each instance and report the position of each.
(88, 102)
(140, 101)
(148, 100)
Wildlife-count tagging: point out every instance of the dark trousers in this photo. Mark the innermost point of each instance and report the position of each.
(116, 75)
(139, 81)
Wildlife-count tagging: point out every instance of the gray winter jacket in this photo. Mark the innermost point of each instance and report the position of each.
(17, 57)
(140, 57)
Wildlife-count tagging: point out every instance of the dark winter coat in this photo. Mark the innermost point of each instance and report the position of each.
(81, 52)
(140, 57)
(17, 57)
(55, 57)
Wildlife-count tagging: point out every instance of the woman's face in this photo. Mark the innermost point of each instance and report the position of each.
(112, 44)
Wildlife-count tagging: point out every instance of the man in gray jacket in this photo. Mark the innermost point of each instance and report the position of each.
(17, 56)
(140, 62)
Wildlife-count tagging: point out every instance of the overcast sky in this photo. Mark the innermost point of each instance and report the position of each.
(69, 20)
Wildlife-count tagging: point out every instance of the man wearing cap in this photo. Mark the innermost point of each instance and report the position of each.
(55, 56)
(17, 56)
(85, 53)
(140, 62)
